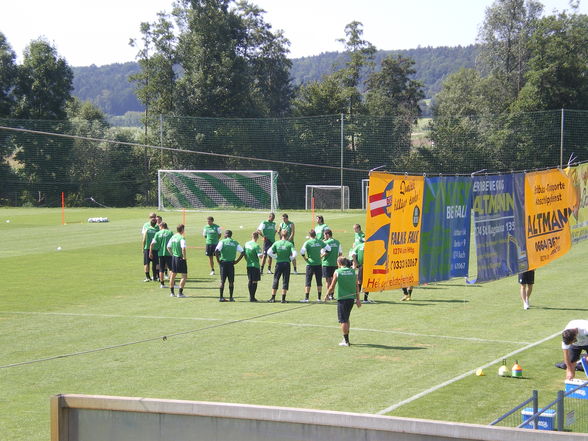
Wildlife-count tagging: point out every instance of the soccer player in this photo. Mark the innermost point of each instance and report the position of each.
(359, 236)
(357, 258)
(320, 227)
(329, 262)
(226, 253)
(211, 233)
(176, 246)
(267, 230)
(148, 223)
(344, 285)
(290, 230)
(283, 251)
(162, 255)
(311, 252)
(148, 234)
(407, 294)
(252, 254)
(574, 341)
(526, 281)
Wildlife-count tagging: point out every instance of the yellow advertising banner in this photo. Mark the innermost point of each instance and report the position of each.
(579, 218)
(549, 198)
(393, 226)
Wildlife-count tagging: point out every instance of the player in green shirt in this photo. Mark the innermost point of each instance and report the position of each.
(267, 230)
(344, 285)
(211, 233)
(148, 234)
(359, 236)
(311, 252)
(356, 255)
(176, 246)
(330, 259)
(252, 254)
(158, 250)
(320, 227)
(283, 251)
(226, 255)
(290, 230)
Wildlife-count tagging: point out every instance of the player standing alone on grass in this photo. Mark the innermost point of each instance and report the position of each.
(162, 254)
(283, 251)
(212, 234)
(267, 229)
(252, 254)
(290, 230)
(177, 248)
(226, 252)
(344, 285)
(329, 262)
(148, 234)
(311, 252)
(526, 281)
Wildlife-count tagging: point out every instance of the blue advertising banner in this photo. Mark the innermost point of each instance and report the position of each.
(445, 231)
(498, 211)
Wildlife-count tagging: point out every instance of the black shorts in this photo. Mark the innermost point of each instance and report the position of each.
(344, 308)
(164, 262)
(179, 265)
(146, 259)
(527, 278)
(266, 246)
(210, 249)
(282, 270)
(253, 274)
(227, 271)
(576, 351)
(328, 271)
(316, 271)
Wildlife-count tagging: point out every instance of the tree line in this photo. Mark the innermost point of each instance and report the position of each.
(217, 60)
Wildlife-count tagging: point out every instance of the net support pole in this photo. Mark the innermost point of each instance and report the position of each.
(62, 208)
(342, 143)
(312, 211)
(561, 138)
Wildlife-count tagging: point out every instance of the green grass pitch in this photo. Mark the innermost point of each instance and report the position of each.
(81, 320)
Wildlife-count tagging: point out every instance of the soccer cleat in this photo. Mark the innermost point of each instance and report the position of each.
(222, 299)
(295, 272)
(181, 295)
(272, 300)
(147, 280)
(283, 301)
(253, 300)
(162, 286)
(304, 301)
(212, 273)
(343, 343)
(269, 271)
(171, 294)
(526, 305)
(231, 299)
(405, 297)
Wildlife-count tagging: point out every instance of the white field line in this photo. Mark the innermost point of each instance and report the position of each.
(462, 376)
(301, 325)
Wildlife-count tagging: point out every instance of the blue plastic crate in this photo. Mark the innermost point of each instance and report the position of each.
(546, 420)
(582, 393)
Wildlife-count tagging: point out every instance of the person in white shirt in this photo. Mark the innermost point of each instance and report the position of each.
(574, 341)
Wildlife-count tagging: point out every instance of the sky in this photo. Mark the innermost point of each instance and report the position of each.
(98, 32)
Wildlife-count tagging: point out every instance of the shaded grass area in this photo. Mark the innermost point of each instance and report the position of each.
(81, 320)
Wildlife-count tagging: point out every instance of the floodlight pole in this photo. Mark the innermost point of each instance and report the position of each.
(342, 143)
(561, 138)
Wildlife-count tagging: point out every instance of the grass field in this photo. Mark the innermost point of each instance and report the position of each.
(81, 320)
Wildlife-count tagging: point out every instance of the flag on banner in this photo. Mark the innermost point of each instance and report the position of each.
(498, 208)
(391, 254)
(549, 198)
(579, 219)
(445, 231)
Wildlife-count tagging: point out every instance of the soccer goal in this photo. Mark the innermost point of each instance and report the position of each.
(202, 189)
(365, 190)
(326, 197)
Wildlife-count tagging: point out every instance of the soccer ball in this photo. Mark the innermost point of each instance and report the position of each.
(503, 371)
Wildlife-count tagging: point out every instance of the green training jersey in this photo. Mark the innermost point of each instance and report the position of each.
(160, 240)
(346, 283)
(357, 251)
(211, 234)
(287, 226)
(312, 250)
(359, 237)
(176, 243)
(149, 234)
(228, 249)
(252, 252)
(282, 249)
(319, 230)
(331, 258)
(268, 230)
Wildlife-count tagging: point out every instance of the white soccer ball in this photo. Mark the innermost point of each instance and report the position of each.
(58, 248)
(240, 226)
(7, 221)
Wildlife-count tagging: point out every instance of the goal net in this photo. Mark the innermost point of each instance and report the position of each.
(326, 197)
(201, 189)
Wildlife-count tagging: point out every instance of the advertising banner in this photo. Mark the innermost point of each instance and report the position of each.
(579, 219)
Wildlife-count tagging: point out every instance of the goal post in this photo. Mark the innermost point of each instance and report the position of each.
(365, 189)
(327, 197)
(228, 189)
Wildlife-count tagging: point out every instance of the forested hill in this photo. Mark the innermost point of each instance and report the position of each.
(109, 88)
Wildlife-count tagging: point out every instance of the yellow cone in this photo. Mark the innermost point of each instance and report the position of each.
(480, 372)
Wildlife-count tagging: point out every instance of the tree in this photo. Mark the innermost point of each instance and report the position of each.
(504, 36)
(7, 77)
